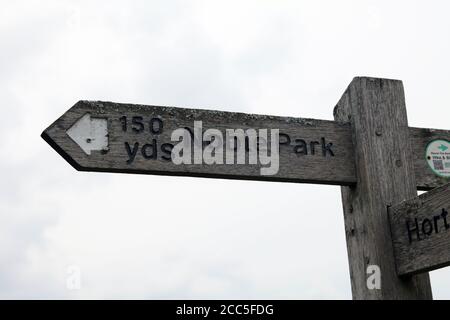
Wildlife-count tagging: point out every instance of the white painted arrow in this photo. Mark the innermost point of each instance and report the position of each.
(90, 133)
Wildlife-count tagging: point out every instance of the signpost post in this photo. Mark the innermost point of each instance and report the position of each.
(385, 174)
(368, 150)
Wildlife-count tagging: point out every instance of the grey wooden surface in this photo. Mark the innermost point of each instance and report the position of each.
(294, 167)
(385, 175)
(421, 232)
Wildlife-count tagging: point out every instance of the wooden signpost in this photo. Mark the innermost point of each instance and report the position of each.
(138, 140)
(368, 150)
(421, 232)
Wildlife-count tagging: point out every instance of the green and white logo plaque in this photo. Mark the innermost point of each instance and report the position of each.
(438, 157)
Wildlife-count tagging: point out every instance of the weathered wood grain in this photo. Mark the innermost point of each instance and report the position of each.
(294, 167)
(337, 169)
(385, 175)
(420, 230)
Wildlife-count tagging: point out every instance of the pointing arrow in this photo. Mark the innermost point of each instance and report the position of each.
(90, 133)
(442, 147)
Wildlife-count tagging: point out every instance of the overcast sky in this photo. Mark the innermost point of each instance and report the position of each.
(158, 237)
